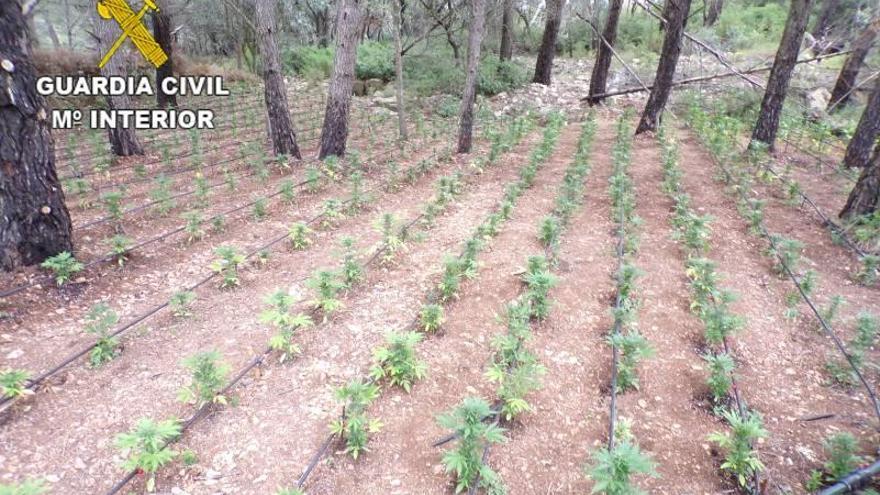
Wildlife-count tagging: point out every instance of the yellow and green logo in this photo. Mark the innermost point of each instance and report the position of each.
(132, 28)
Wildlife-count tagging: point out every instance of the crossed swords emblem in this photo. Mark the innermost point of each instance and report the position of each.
(132, 28)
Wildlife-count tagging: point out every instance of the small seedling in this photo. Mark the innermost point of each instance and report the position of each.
(299, 235)
(612, 469)
(355, 426)
(208, 378)
(119, 248)
(473, 435)
(288, 193)
(632, 348)
(326, 286)
(227, 265)
(63, 266)
(431, 317)
(279, 315)
(12, 383)
(397, 360)
(392, 237)
(181, 302)
(352, 270)
(720, 379)
(741, 460)
(99, 321)
(332, 213)
(193, 228)
(145, 448)
(259, 209)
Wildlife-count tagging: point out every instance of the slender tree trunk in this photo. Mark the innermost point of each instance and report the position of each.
(675, 12)
(162, 33)
(713, 12)
(865, 196)
(53, 35)
(506, 51)
(780, 75)
(280, 126)
(335, 130)
(397, 17)
(475, 39)
(858, 151)
(599, 77)
(544, 64)
(824, 21)
(34, 222)
(123, 142)
(846, 80)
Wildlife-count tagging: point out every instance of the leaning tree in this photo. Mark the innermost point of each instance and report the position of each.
(865, 196)
(334, 132)
(675, 14)
(544, 62)
(599, 77)
(280, 127)
(780, 75)
(858, 151)
(34, 222)
(846, 80)
(475, 39)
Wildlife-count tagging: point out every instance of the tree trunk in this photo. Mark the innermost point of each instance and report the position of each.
(865, 196)
(858, 151)
(713, 12)
(53, 35)
(335, 129)
(846, 80)
(824, 20)
(780, 75)
(599, 77)
(279, 125)
(34, 222)
(475, 39)
(506, 51)
(397, 11)
(675, 12)
(162, 33)
(544, 64)
(123, 142)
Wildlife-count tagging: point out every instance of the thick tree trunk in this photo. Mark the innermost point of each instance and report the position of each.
(858, 151)
(675, 12)
(280, 126)
(713, 12)
(780, 75)
(599, 77)
(506, 51)
(123, 142)
(544, 64)
(34, 222)
(475, 40)
(335, 130)
(846, 80)
(162, 33)
(824, 21)
(865, 196)
(397, 11)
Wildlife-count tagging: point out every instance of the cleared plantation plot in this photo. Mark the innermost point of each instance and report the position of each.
(568, 308)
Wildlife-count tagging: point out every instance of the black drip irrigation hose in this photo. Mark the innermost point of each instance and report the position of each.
(32, 383)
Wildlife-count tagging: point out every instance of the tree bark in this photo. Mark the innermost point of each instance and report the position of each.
(780, 75)
(34, 222)
(675, 12)
(466, 113)
(599, 77)
(824, 20)
(123, 142)
(53, 35)
(544, 64)
(846, 80)
(162, 33)
(335, 129)
(865, 196)
(397, 17)
(858, 151)
(280, 126)
(506, 51)
(713, 12)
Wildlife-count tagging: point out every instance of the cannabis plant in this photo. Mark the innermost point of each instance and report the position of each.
(632, 348)
(279, 315)
(29, 487)
(326, 285)
(352, 271)
(12, 384)
(181, 302)
(450, 281)
(740, 460)
(113, 204)
(841, 451)
(119, 248)
(549, 232)
(300, 236)
(720, 379)
(193, 227)
(473, 435)
(227, 265)
(260, 209)
(538, 285)
(145, 448)
(613, 469)
(431, 317)
(393, 237)
(99, 321)
(63, 265)
(208, 379)
(355, 427)
(397, 361)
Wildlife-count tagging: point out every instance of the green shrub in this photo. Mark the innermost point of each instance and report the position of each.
(310, 62)
(375, 60)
